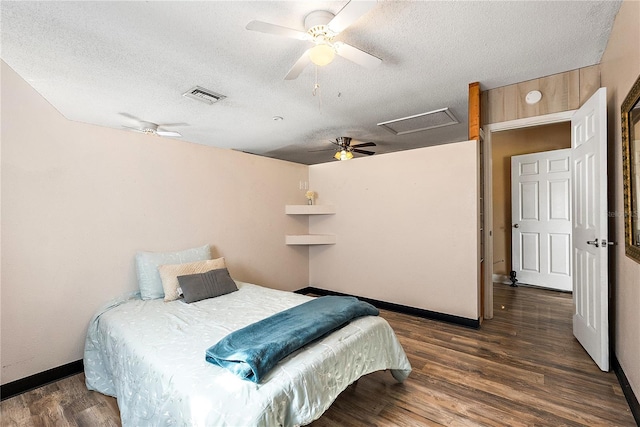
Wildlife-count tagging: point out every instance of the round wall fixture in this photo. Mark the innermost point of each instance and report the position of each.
(533, 97)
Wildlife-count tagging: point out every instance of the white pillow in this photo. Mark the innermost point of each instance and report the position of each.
(147, 264)
(169, 274)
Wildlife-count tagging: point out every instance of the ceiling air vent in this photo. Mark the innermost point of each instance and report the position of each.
(420, 122)
(203, 95)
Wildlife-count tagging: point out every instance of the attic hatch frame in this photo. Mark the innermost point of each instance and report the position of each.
(443, 117)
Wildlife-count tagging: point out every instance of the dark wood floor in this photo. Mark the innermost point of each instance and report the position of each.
(523, 368)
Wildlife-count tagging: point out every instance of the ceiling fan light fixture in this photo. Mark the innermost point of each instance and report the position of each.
(322, 54)
(343, 155)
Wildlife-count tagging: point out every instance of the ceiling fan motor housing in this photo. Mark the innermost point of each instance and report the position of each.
(344, 141)
(148, 127)
(316, 25)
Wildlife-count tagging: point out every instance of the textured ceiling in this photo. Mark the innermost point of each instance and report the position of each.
(94, 61)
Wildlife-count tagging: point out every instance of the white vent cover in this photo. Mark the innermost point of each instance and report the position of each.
(420, 122)
(204, 95)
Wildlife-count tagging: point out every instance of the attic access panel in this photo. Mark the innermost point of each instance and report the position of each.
(419, 122)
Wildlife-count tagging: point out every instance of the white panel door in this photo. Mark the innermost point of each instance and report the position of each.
(590, 279)
(541, 218)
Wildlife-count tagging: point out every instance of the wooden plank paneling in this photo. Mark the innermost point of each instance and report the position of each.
(573, 90)
(589, 82)
(484, 102)
(502, 104)
(560, 92)
(522, 368)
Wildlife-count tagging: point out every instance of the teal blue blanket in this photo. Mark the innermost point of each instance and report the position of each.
(252, 351)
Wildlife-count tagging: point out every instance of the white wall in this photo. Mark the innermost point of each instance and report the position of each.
(619, 69)
(406, 227)
(79, 200)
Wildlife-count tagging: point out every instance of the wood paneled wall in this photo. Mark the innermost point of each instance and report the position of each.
(560, 92)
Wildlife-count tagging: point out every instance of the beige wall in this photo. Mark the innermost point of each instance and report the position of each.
(79, 200)
(620, 67)
(406, 227)
(514, 143)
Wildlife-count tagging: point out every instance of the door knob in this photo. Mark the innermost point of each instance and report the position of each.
(516, 225)
(594, 243)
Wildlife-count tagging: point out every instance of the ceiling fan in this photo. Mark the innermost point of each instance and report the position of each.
(345, 149)
(151, 128)
(321, 28)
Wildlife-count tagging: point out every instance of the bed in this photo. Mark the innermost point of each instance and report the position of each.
(149, 354)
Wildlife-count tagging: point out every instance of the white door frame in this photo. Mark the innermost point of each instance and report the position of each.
(564, 116)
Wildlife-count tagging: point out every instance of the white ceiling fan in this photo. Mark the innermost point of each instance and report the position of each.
(151, 128)
(321, 28)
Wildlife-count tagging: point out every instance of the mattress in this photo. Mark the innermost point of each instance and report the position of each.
(150, 355)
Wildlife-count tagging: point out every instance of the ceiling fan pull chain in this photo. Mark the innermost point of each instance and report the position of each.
(316, 91)
(316, 86)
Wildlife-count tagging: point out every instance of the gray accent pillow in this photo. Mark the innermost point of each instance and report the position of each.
(196, 287)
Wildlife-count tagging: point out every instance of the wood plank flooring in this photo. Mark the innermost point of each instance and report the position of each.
(522, 368)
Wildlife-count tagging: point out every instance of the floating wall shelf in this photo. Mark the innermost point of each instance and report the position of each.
(310, 239)
(309, 210)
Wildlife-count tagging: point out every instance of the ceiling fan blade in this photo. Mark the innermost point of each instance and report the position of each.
(168, 133)
(349, 14)
(364, 144)
(130, 116)
(368, 153)
(164, 125)
(334, 142)
(322, 149)
(145, 122)
(356, 55)
(297, 68)
(265, 27)
(133, 129)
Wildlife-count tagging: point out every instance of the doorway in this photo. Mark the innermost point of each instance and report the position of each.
(489, 133)
(589, 203)
(506, 144)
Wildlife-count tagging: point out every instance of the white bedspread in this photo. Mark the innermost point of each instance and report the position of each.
(150, 355)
